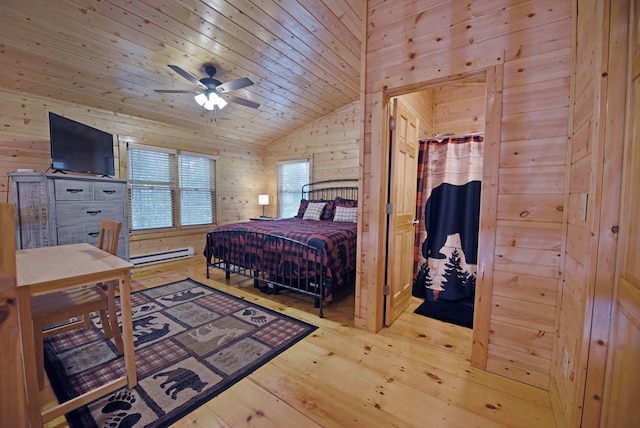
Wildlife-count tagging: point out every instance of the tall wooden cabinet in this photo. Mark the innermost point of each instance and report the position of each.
(56, 209)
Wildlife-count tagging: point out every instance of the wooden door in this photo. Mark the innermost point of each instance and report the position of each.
(621, 404)
(402, 195)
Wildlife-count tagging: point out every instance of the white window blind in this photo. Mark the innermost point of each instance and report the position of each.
(151, 184)
(197, 175)
(292, 175)
(157, 176)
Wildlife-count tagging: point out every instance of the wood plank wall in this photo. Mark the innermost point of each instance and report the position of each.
(410, 40)
(459, 107)
(599, 73)
(24, 143)
(453, 108)
(331, 143)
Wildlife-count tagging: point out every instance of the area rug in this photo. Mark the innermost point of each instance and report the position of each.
(191, 343)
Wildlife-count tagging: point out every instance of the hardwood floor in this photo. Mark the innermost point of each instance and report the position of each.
(414, 373)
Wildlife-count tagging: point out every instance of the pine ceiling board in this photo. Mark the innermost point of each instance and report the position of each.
(281, 57)
(350, 14)
(315, 17)
(200, 45)
(310, 43)
(59, 58)
(64, 73)
(112, 54)
(76, 41)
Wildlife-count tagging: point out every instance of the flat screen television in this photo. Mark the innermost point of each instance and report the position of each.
(79, 148)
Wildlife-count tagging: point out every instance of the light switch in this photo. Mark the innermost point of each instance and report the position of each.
(584, 199)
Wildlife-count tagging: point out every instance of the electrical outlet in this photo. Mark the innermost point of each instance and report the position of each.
(565, 362)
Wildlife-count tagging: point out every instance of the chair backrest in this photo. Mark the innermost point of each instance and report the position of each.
(109, 236)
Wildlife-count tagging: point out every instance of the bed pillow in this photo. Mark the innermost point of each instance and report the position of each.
(303, 207)
(346, 214)
(314, 211)
(327, 212)
(349, 203)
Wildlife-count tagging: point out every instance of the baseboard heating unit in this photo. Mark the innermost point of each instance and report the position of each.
(161, 256)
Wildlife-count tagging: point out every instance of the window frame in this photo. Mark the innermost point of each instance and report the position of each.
(298, 191)
(176, 188)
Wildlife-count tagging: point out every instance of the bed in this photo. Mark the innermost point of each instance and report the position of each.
(313, 253)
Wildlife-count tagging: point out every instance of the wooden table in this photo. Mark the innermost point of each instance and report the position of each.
(48, 269)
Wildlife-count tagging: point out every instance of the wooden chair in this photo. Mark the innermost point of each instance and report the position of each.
(61, 306)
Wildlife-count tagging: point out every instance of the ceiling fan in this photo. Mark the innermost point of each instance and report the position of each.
(212, 93)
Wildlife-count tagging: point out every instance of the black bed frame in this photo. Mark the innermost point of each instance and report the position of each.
(308, 285)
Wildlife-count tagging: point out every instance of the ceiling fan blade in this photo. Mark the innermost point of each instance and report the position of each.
(175, 91)
(241, 101)
(187, 76)
(234, 84)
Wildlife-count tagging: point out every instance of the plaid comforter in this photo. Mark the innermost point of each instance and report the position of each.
(336, 241)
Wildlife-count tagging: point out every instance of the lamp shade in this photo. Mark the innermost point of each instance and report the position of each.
(263, 199)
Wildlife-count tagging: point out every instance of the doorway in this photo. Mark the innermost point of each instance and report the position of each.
(452, 109)
(492, 76)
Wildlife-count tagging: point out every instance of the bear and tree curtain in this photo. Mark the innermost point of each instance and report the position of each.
(448, 210)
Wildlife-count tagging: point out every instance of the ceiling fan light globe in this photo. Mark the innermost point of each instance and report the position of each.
(221, 103)
(201, 99)
(217, 100)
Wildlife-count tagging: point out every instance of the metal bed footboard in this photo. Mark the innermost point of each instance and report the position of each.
(273, 260)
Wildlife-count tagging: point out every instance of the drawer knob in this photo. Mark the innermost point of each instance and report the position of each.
(75, 190)
(93, 234)
(94, 212)
(109, 192)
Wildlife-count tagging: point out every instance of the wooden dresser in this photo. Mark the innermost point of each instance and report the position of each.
(57, 209)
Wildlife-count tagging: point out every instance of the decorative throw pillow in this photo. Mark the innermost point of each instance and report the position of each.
(314, 210)
(328, 211)
(341, 202)
(303, 207)
(346, 214)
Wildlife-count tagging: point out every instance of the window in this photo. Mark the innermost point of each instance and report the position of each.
(197, 188)
(158, 177)
(292, 175)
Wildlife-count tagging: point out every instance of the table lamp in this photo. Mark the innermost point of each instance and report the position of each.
(264, 201)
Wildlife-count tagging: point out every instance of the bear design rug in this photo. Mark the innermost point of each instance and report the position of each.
(191, 343)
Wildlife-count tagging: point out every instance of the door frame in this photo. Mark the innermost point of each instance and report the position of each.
(490, 67)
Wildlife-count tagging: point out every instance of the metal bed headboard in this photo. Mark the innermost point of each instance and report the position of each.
(346, 188)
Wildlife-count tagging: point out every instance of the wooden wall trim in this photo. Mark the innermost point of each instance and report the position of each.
(488, 217)
(596, 125)
(12, 394)
(457, 68)
(374, 212)
(359, 320)
(608, 198)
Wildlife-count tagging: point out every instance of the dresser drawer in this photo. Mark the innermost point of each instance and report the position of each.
(70, 213)
(79, 233)
(73, 190)
(88, 233)
(105, 191)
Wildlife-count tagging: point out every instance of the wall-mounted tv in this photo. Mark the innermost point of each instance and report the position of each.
(79, 148)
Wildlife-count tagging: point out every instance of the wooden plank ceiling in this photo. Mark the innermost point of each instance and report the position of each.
(303, 57)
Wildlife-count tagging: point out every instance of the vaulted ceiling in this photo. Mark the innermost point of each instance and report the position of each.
(302, 55)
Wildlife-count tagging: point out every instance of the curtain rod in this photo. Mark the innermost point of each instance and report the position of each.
(445, 135)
